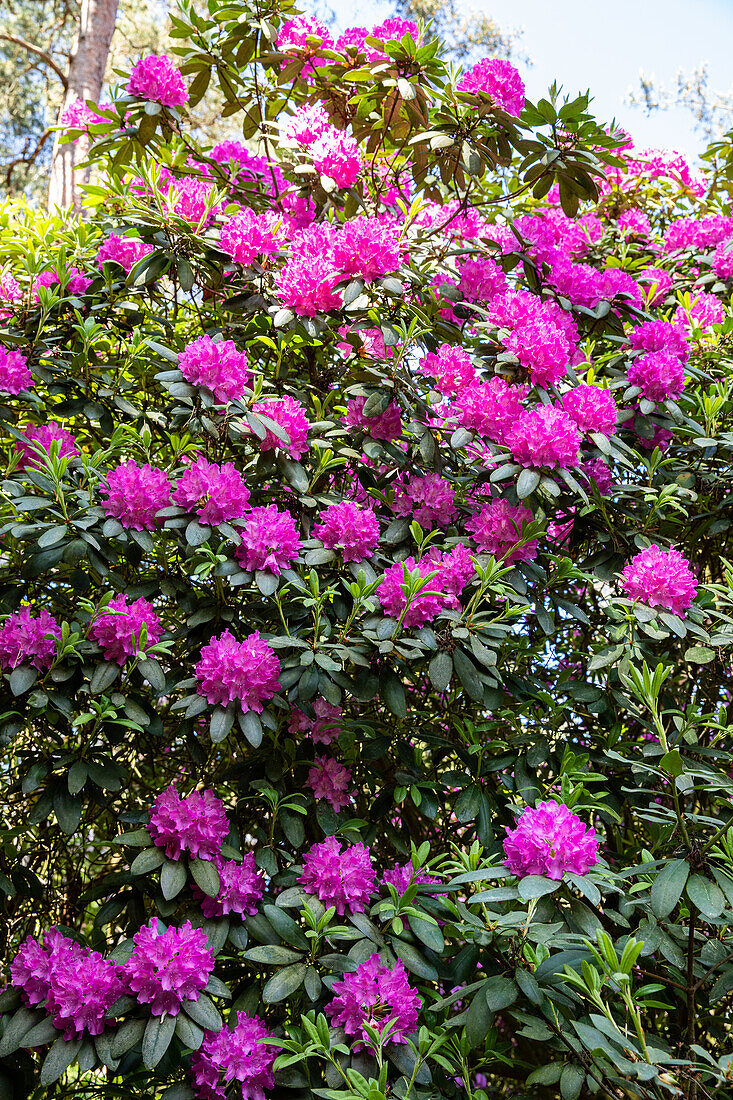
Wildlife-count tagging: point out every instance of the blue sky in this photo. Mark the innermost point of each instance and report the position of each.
(602, 45)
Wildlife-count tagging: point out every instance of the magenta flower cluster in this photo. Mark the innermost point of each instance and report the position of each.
(156, 78)
(26, 638)
(453, 570)
(374, 995)
(44, 435)
(350, 528)
(660, 578)
(216, 493)
(497, 529)
(15, 374)
(498, 79)
(218, 365)
(344, 879)
(430, 500)
(125, 251)
(194, 825)
(169, 967)
(270, 541)
(135, 495)
(77, 986)
(238, 1055)
(245, 672)
(122, 629)
(331, 781)
(549, 840)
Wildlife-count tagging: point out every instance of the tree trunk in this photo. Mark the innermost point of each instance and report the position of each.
(85, 78)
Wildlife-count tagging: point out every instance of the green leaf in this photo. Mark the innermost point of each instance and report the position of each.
(536, 886)
(668, 886)
(468, 804)
(220, 723)
(172, 879)
(190, 1034)
(284, 983)
(440, 671)
(273, 955)
(414, 961)
(206, 876)
(128, 1034)
(17, 1027)
(700, 655)
(704, 894)
(156, 1039)
(103, 677)
(429, 933)
(203, 1012)
(571, 1080)
(38, 1036)
(59, 1058)
(22, 679)
(499, 992)
(148, 860)
(527, 482)
(185, 275)
(478, 1020)
(251, 726)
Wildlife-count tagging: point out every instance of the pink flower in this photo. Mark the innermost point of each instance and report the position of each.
(14, 373)
(451, 367)
(217, 493)
(270, 540)
(498, 79)
(453, 571)
(157, 78)
(367, 247)
(218, 365)
(634, 223)
(135, 494)
(549, 840)
(306, 124)
(659, 375)
(75, 281)
(9, 292)
(117, 629)
(306, 284)
(195, 824)
(293, 34)
(385, 425)
(404, 875)
(542, 336)
(350, 528)
(125, 251)
(489, 408)
(77, 116)
(28, 639)
(235, 1054)
(342, 879)
(706, 310)
(482, 279)
(593, 409)
(170, 967)
(658, 281)
(545, 436)
(290, 416)
(373, 995)
(660, 578)
(722, 263)
(78, 986)
(248, 235)
(324, 728)
(428, 499)
(497, 528)
(660, 336)
(247, 672)
(335, 154)
(44, 435)
(241, 887)
(597, 470)
(330, 780)
(188, 198)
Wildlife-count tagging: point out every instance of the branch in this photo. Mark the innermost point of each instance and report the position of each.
(44, 56)
(27, 159)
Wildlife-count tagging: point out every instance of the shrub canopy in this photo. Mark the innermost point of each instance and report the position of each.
(365, 600)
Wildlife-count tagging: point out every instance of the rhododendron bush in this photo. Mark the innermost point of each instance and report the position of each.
(365, 605)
